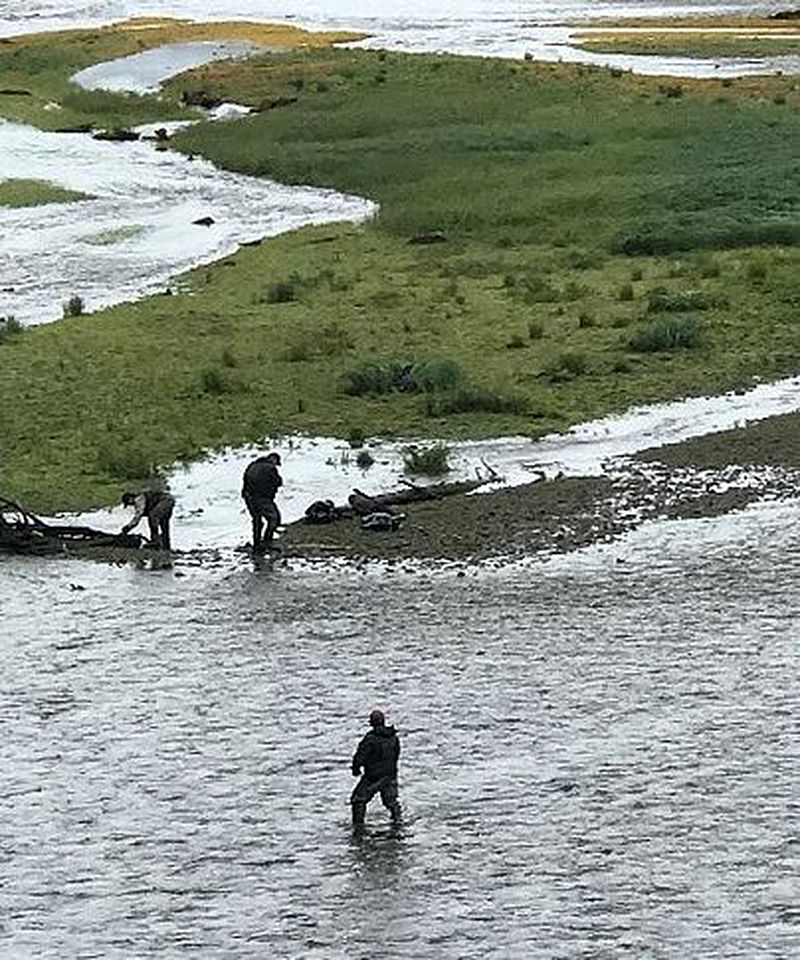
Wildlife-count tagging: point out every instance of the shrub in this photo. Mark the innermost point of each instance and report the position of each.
(661, 300)
(364, 459)
(535, 330)
(472, 399)
(427, 461)
(565, 366)
(356, 437)
(281, 292)
(586, 320)
(625, 292)
(375, 379)
(9, 326)
(436, 374)
(668, 333)
(73, 307)
(515, 343)
(213, 382)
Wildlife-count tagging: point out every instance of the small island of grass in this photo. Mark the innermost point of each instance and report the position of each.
(32, 193)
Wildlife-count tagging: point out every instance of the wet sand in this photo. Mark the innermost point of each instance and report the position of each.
(704, 477)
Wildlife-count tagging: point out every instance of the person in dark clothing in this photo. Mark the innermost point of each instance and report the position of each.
(157, 507)
(260, 484)
(377, 756)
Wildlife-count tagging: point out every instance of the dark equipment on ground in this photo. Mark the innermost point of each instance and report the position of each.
(23, 532)
(376, 511)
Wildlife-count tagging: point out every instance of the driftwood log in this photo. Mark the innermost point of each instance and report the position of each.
(362, 504)
(23, 532)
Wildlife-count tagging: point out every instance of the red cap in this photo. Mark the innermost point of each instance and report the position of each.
(376, 718)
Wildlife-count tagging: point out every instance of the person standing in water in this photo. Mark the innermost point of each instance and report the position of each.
(377, 755)
(261, 482)
(157, 507)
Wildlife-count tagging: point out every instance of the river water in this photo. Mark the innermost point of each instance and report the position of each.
(599, 749)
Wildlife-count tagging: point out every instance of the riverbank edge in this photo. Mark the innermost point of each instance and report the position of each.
(704, 477)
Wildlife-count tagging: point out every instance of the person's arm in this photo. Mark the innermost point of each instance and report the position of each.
(358, 760)
(139, 505)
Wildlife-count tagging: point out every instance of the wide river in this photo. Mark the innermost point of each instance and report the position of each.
(599, 749)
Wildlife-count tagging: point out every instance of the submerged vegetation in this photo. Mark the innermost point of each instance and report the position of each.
(553, 242)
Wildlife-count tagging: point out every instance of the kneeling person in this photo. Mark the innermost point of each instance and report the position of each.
(377, 755)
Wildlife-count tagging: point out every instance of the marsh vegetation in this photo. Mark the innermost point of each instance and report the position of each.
(592, 242)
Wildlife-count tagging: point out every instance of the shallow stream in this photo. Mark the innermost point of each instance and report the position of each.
(600, 749)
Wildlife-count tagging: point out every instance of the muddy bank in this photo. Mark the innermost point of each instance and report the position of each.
(704, 477)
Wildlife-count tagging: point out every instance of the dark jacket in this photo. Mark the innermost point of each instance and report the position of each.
(377, 754)
(261, 480)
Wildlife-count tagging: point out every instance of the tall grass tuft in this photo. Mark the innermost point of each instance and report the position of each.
(73, 307)
(430, 461)
(436, 374)
(9, 326)
(661, 300)
(472, 399)
(668, 333)
(374, 379)
(124, 461)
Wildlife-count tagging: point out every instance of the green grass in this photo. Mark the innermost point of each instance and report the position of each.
(32, 193)
(696, 46)
(567, 153)
(532, 172)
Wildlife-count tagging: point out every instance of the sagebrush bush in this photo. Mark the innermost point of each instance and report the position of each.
(668, 333)
(73, 307)
(661, 300)
(430, 461)
(436, 374)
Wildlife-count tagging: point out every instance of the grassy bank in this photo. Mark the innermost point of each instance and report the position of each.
(35, 70)
(32, 193)
(600, 240)
(747, 43)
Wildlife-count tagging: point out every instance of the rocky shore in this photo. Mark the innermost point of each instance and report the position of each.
(705, 477)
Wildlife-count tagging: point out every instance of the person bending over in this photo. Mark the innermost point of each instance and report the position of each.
(259, 486)
(157, 507)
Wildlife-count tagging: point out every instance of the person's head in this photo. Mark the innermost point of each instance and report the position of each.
(274, 458)
(128, 498)
(377, 718)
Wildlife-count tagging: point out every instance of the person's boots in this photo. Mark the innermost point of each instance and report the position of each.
(359, 812)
